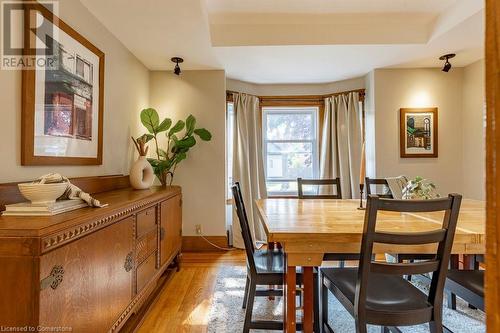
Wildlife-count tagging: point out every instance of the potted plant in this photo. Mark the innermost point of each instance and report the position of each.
(420, 189)
(177, 146)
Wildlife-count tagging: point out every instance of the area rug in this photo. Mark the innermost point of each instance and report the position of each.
(226, 314)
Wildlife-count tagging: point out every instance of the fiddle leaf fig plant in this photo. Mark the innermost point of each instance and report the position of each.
(178, 142)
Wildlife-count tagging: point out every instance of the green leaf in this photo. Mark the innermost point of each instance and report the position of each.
(177, 128)
(179, 157)
(203, 133)
(186, 143)
(190, 124)
(150, 119)
(165, 125)
(154, 162)
(145, 138)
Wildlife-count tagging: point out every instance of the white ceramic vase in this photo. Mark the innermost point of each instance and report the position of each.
(141, 174)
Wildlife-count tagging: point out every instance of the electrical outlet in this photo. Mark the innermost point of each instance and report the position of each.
(198, 229)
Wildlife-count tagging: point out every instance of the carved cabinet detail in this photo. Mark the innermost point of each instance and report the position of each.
(95, 280)
(88, 270)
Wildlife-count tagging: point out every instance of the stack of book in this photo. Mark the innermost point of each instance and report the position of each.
(29, 209)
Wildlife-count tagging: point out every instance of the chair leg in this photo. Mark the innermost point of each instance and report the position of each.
(316, 303)
(384, 329)
(249, 308)
(246, 294)
(341, 263)
(324, 307)
(434, 327)
(360, 326)
(452, 301)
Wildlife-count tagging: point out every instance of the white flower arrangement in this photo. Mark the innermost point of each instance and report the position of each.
(420, 189)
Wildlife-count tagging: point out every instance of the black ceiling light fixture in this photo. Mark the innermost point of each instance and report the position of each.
(177, 69)
(447, 65)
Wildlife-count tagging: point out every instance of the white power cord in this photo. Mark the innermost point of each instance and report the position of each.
(217, 246)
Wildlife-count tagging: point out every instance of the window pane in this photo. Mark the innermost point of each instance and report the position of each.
(229, 147)
(289, 160)
(288, 126)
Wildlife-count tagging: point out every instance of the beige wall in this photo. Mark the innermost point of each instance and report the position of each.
(126, 92)
(294, 89)
(473, 131)
(405, 88)
(459, 96)
(202, 174)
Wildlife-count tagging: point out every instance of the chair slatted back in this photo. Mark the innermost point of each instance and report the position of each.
(301, 182)
(245, 227)
(374, 182)
(443, 237)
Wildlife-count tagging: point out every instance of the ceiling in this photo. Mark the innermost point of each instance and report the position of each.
(295, 41)
(326, 6)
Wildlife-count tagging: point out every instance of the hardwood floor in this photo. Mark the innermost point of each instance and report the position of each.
(184, 303)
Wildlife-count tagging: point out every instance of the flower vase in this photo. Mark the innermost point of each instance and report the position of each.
(141, 174)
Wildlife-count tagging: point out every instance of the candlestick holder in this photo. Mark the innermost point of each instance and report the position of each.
(361, 188)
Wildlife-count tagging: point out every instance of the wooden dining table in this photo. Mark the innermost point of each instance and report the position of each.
(307, 229)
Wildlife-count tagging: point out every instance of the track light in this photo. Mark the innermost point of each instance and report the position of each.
(177, 69)
(447, 64)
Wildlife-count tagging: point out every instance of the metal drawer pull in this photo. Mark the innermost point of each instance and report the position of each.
(54, 279)
(129, 264)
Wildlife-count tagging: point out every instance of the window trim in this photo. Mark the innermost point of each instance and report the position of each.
(313, 109)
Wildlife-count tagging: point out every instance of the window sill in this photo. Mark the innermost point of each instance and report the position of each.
(282, 196)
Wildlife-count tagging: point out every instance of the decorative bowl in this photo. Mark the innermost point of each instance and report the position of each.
(42, 193)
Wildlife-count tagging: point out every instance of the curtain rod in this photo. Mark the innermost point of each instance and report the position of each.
(303, 97)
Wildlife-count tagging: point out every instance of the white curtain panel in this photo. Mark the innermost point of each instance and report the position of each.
(341, 143)
(248, 165)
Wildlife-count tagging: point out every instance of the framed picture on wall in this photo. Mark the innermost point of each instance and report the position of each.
(418, 132)
(62, 97)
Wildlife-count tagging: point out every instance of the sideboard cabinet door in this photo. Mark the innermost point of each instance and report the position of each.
(87, 284)
(171, 228)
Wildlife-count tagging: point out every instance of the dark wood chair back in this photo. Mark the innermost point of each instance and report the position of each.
(443, 237)
(374, 182)
(245, 227)
(301, 182)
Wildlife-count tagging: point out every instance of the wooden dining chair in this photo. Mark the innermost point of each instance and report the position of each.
(340, 257)
(376, 293)
(378, 182)
(468, 284)
(336, 182)
(399, 257)
(264, 268)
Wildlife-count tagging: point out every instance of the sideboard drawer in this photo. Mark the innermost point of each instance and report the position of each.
(146, 271)
(146, 221)
(146, 245)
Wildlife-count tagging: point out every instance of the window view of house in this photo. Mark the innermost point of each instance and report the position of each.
(290, 145)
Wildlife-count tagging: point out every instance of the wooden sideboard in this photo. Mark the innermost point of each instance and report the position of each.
(88, 270)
